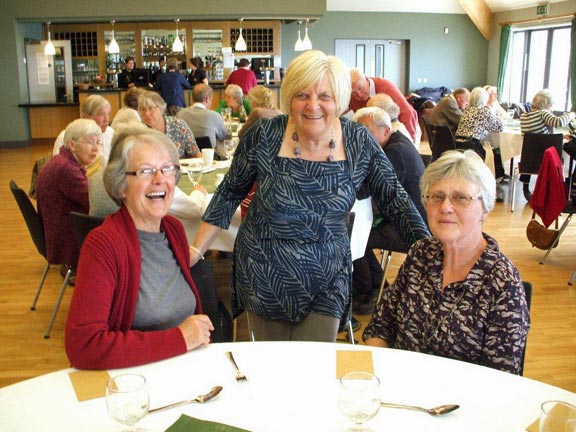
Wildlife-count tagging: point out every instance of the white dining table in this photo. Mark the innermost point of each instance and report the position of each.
(291, 386)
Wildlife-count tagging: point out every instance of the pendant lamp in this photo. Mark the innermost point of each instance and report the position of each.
(306, 42)
(113, 48)
(298, 45)
(49, 47)
(240, 42)
(177, 46)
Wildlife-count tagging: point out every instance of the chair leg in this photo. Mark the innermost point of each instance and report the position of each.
(384, 262)
(40, 285)
(57, 305)
(572, 278)
(350, 332)
(513, 190)
(235, 330)
(562, 228)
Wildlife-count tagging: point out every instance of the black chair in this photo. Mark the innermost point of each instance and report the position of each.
(203, 142)
(528, 294)
(441, 140)
(533, 148)
(36, 229)
(427, 128)
(83, 224)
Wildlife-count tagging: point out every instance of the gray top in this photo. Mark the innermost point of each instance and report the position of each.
(165, 299)
(204, 122)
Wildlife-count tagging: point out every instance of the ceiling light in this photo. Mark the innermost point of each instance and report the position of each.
(306, 42)
(113, 48)
(240, 42)
(177, 46)
(298, 45)
(49, 47)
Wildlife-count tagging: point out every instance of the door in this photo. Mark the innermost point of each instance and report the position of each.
(376, 58)
(50, 77)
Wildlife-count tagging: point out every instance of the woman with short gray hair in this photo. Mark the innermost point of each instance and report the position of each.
(456, 294)
(385, 102)
(141, 305)
(235, 100)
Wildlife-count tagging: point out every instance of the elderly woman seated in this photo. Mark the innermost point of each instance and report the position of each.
(135, 301)
(235, 100)
(151, 108)
(262, 105)
(456, 294)
(62, 187)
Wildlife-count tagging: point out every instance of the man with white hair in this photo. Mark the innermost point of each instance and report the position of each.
(409, 168)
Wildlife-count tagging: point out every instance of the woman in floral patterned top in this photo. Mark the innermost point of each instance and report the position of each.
(456, 295)
(151, 107)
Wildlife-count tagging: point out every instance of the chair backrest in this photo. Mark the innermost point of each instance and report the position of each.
(203, 142)
(528, 295)
(427, 128)
(31, 217)
(533, 148)
(83, 224)
(441, 141)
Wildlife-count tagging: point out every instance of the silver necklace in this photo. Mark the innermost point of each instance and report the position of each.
(331, 146)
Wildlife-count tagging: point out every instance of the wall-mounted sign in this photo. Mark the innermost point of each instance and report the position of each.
(543, 9)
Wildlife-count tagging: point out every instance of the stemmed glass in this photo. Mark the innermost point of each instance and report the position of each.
(359, 398)
(127, 399)
(195, 173)
(229, 147)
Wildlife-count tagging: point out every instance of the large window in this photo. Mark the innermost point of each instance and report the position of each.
(539, 58)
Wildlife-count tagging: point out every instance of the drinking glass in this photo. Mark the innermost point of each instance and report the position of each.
(127, 399)
(557, 416)
(195, 173)
(359, 398)
(229, 146)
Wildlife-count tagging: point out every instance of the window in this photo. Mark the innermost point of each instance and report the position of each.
(539, 58)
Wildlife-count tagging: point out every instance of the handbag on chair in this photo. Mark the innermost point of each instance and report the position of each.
(540, 236)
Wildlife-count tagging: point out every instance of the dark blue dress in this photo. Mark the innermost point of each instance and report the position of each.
(292, 253)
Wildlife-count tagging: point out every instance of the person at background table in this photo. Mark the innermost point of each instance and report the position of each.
(238, 104)
(385, 102)
(129, 112)
(203, 122)
(151, 108)
(409, 167)
(456, 294)
(449, 109)
(126, 77)
(541, 120)
(135, 301)
(292, 261)
(97, 108)
(476, 123)
(363, 88)
(159, 70)
(262, 106)
(197, 73)
(243, 76)
(171, 85)
(62, 187)
(493, 103)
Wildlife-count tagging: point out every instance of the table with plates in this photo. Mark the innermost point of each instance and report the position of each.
(225, 240)
(292, 386)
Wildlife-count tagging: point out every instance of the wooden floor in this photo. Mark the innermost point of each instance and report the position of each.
(24, 353)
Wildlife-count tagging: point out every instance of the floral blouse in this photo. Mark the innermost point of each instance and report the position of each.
(477, 122)
(483, 319)
(179, 132)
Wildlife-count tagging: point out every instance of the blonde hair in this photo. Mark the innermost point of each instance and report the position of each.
(385, 102)
(260, 96)
(308, 70)
(93, 103)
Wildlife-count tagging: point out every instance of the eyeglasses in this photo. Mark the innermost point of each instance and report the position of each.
(149, 173)
(146, 109)
(458, 199)
(97, 143)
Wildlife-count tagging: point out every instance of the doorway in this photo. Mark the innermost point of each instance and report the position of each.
(384, 58)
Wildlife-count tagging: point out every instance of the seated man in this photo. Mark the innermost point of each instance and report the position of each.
(202, 121)
(449, 109)
(409, 167)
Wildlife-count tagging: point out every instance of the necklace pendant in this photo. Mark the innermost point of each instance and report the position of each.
(294, 136)
(297, 152)
(332, 144)
(330, 158)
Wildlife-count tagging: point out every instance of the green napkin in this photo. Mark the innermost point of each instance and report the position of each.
(186, 424)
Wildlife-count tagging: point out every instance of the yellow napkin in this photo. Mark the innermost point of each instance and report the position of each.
(557, 410)
(353, 361)
(89, 384)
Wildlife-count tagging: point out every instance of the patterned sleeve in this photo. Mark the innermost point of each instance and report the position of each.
(555, 121)
(508, 324)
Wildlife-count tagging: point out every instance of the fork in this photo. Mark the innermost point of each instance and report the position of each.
(239, 375)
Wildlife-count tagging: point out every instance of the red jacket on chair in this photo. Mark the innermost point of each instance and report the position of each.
(549, 197)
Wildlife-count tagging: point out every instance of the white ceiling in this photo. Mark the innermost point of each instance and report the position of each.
(426, 6)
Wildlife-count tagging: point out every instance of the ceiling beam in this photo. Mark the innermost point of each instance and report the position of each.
(480, 14)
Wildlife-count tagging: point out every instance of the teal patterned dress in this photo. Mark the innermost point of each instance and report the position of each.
(292, 253)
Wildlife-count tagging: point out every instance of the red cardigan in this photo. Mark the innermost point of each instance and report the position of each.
(98, 328)
(549, 197)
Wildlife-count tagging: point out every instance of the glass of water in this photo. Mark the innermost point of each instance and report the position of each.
(359, 398)
(127, 399)
(195, 171)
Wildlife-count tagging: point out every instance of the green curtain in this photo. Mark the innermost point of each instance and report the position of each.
(573, 64)
(504, 51)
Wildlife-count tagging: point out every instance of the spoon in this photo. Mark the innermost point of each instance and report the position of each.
(439, 410)
(199, 399)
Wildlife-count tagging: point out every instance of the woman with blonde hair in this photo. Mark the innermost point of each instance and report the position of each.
(262, 105)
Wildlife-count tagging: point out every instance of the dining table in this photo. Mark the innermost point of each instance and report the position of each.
(224, 242)
(290, 386)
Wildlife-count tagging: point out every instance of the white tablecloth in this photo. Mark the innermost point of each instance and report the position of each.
(291, 386)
